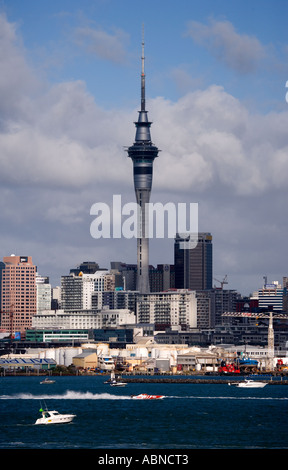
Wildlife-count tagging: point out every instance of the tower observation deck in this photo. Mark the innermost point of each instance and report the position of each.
(142, 153)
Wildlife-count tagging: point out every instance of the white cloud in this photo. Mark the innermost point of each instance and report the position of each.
(241, 52)
(213, 135)
(17, 80)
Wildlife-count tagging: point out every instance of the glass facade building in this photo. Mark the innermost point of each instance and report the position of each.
(193, 264)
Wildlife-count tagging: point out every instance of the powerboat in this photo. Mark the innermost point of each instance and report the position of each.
(249, 384)
(47, 381)
(53, 417)
(144, 396)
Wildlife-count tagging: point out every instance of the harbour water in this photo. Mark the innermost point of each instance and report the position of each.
(191, 416)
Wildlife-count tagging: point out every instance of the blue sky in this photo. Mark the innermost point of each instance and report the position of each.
(215, 85)
(59, 37)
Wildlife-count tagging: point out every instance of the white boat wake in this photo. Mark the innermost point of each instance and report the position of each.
(69, 395)
(247, 397)
(74, 395)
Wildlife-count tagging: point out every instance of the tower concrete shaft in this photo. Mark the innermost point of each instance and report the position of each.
(142, 153)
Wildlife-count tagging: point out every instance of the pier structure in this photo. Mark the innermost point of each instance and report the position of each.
(270, 315)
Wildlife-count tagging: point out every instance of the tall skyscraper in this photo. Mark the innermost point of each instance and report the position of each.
(193, 266)
(142, 153)
(18, 293)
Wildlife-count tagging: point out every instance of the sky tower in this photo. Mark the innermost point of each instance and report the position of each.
(142, 153)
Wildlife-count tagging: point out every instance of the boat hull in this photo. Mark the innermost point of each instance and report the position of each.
(118, 384)
(256, 385)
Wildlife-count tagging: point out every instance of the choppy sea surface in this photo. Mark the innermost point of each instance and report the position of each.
(191, 416)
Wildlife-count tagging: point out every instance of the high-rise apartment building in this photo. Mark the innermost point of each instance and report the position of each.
(18, 293)
(77, 290)
(71, 292)
(44, 293)
(212, 303)
(168, 309)
(114, 299)
(193, 264)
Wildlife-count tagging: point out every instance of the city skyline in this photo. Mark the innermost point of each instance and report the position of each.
(217, 99)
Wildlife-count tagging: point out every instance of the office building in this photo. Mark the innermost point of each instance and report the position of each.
(125, 275)
(193, 265)
(160, 278)
(18, 293)
(56, 298)
(87, 267)
(2, 266)
(273, 296)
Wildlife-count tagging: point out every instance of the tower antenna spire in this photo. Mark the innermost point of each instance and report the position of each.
(143, 74)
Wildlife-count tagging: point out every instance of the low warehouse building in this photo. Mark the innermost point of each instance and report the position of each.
(86, 360)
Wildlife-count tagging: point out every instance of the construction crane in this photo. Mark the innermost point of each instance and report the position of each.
(224, 281)
(271, 316)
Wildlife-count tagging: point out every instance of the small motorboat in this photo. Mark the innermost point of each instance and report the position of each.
(144, 396)
(117, 383)
(249, 384)
(114, 381)
(47, 381)
(53, 417)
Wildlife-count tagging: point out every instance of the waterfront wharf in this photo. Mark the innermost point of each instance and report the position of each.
(195, 381)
